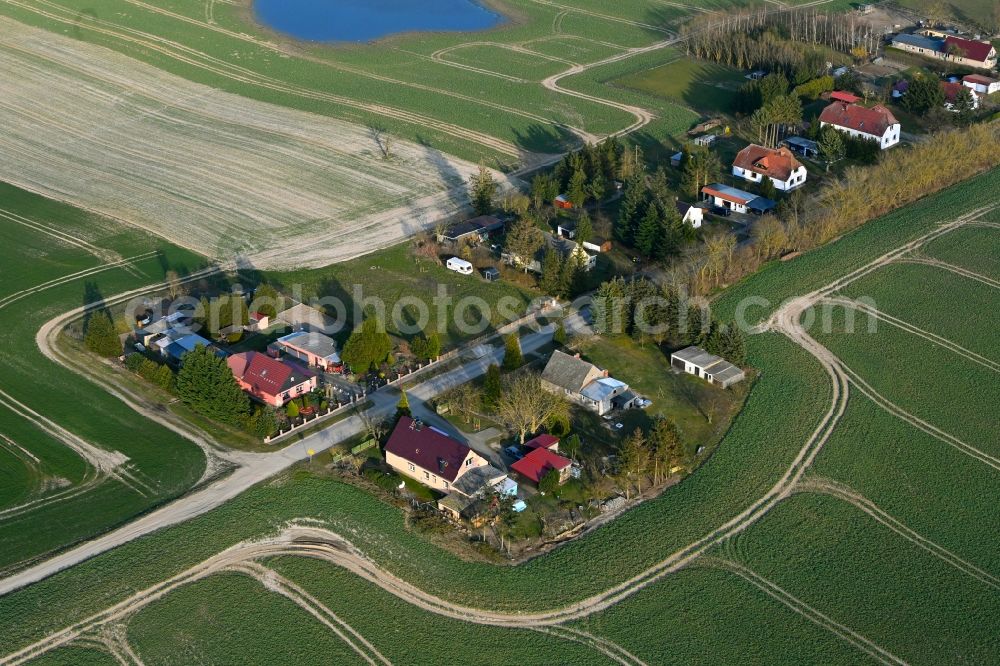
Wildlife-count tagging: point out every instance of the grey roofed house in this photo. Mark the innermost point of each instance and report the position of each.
(714, 369)
(762, 205)
(918, 41)
(802, 145)
(603, 389)
(570, 373)
(312, 344)
(477, 227)
(583, 383)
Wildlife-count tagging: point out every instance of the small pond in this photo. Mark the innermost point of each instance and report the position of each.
(367, 20)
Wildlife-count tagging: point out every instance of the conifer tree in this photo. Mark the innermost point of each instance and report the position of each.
(100, 336)
(512, 357)
(207, 385)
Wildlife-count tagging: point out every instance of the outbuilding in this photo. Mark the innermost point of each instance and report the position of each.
(713, 369)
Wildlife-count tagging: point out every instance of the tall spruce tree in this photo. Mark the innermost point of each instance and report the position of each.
(100, 336)
(512, 357)
(207, 385)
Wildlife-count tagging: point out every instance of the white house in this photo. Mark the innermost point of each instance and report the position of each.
(690, 214)
(874, 124)
(983, 85)
(713, 369)
(754, 163)
(953, 90)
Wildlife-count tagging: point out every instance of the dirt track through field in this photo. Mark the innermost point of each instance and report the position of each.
(957, 270)
(938, 340)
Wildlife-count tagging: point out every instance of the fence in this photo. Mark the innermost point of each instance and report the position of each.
(316, 418)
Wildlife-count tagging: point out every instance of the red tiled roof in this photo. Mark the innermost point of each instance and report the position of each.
(978, 78)
(973, 50)
(538, 462)
(543, 441)
(265, 374)
(874, 121)
(842, 96)
(427, 448)
(778, 163)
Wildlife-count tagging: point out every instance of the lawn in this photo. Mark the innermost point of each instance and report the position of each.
(394, 279)
(701, 411)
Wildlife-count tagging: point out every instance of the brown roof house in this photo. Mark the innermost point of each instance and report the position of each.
(874, 124)
(431, 457)
(754, 163)
(585, 384)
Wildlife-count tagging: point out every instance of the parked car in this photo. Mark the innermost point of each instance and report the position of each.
(721, 211)
(514, 452)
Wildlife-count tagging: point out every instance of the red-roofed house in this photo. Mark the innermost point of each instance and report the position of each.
(428, 455)
(543, 441)
(269, 380)
(874, 124)
(970, 52)
(952, 91)
(983, 85)
(539, 461)
(754, 163)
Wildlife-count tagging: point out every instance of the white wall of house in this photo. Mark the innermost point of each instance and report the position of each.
(725, 203)
(889, 139)
(796, 179)
(982, 88)
(694, 216)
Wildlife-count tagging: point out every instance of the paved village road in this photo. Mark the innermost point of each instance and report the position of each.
(256, 467)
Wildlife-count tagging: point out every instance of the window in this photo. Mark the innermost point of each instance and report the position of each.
(447, 485)
(427, 475)
(468, 463)
(412, 468)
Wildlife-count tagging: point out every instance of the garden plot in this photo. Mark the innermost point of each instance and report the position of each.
(210, 171)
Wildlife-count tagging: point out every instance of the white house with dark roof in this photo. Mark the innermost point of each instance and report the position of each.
(690, 214)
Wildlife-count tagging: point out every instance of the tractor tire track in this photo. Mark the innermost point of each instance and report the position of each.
(803, 609)
(844, 493)
(914, 330)
(957, 270)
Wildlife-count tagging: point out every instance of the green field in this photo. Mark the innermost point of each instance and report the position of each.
(42, 510)
(827, 554)
(974, 248)
(706, 87)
